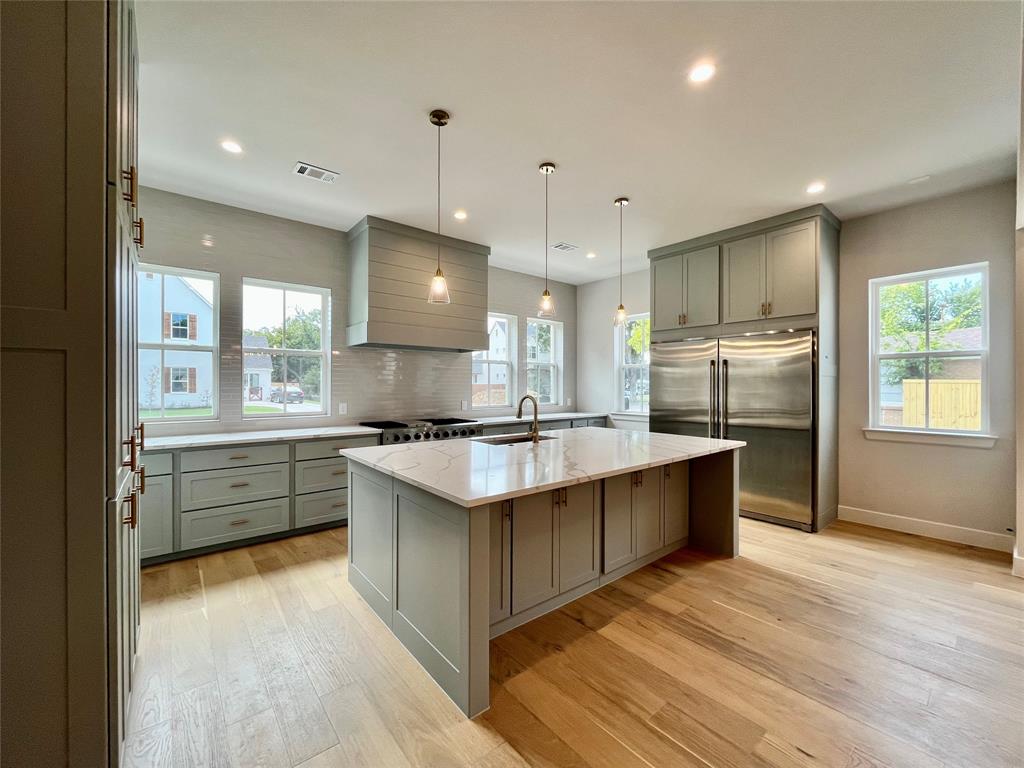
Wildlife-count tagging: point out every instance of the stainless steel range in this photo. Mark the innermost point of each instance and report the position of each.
(424, 429)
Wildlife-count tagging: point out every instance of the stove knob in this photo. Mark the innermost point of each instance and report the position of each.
(437, 435)
(417, 436)
(463, 432)
(445, 434)
(396, 438)
(406, 437)
(472, 431)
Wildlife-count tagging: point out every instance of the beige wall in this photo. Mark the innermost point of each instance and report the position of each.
(598, 384)
(960, 486)
(374, 383)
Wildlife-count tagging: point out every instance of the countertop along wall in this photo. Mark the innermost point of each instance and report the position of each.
(950, 492)
(598, 378)
(374, 383)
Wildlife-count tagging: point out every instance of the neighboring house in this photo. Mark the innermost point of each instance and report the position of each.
(257, 371)
(498, 374)
(186, 379)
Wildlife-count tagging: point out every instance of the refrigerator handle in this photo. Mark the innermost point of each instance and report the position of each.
(724, 404)
(711, 400)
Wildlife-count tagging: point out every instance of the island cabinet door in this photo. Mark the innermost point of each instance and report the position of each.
(534, 550)
(647, 511)
(677, 502)
(579, 535)
(501, 556)
(619, 533)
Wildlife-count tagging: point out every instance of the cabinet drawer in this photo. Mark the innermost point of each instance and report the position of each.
(598, 422)
(218, 487)
(321, 507)
(321, 475)
(240, 521)
(328, 449)
(156, 464)
(555, 425)
(242, 456)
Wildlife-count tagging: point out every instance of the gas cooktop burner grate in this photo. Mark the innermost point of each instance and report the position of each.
(383, 424)
(446, 422)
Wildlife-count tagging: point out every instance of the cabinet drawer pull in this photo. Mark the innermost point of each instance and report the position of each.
(340, 472)
(337, 504)
(684, 318)
(762, 309)
(243, 521)
(769, 310)
(240, 485)
(238, 456)
(140, 473)
(132, 500)
(141, 439)
(140, 239)
(132, 462)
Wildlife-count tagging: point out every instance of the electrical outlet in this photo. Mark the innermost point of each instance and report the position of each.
(568, 401)
(342, 409)
(465, 405)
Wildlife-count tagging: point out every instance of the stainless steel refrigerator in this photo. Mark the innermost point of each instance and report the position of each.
(757, 388)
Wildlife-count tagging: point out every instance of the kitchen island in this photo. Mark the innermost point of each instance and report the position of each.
(455, 542)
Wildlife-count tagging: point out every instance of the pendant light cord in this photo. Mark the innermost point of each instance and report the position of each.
(439, 195)
(620, 254)
(546, 175)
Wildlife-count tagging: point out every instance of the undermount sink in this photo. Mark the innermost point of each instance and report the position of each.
(511, 439)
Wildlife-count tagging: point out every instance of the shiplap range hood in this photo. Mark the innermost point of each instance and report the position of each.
(390, 266)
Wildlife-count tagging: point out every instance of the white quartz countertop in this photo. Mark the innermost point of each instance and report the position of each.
(472, 472)
(215, 439)
(528, 416)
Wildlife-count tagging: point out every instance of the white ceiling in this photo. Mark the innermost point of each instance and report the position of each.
(864, 96)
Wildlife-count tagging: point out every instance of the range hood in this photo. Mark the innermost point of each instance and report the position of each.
(390, 266)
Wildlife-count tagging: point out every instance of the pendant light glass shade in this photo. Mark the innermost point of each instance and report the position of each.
(438, 293)
(620, 312)
(439, 289)
(547, 303)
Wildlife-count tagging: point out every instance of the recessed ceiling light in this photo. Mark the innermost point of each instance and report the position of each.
(701, 73)
(815, 187)
(591, 255)
(231, 146)
(919, 180)
(461, 215)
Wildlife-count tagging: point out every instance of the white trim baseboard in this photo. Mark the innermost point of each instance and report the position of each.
(975, 537)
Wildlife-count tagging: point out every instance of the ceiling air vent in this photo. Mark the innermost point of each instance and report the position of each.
(315, 172)
(564, 246)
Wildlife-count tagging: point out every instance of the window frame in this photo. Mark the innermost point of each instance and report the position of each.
(619, 334)
(324, 353)
(512, 322)
(558, 353)
(175, 327)
(876, 356)
(184, 345)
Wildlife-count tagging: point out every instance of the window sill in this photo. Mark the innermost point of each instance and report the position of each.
(960, 439)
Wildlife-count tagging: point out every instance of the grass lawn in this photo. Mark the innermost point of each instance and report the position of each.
(154, 413)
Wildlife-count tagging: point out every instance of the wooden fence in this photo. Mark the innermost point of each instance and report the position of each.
(953, 403)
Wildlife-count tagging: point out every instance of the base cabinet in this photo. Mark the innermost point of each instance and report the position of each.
(677, 502)
(534, 549)
(156, 517)
(647, 507)
(501, 565)
(579, 535)
(619, 532)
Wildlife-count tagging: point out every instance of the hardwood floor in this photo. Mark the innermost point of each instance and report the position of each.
(854, 648)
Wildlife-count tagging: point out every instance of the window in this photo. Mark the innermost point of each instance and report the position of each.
(285, 349)
(544, 360)
(929, 350)
(633, 353)
(178, 343)
(493, 378)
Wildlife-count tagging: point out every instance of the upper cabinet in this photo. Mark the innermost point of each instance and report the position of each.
(389, 271)
(742, 279)
(771, 275)
(791, 275)
(685, 290)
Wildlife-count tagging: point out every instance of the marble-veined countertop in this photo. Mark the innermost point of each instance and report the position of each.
(473, 472)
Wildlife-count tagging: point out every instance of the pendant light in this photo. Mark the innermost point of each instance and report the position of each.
(547, 304)
(620, 313)
(438, 293)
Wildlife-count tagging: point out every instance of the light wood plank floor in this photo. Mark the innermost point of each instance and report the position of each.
(853, 647)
